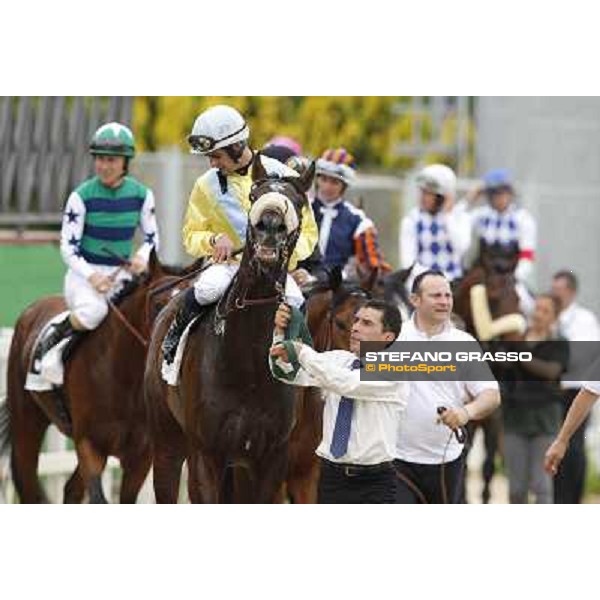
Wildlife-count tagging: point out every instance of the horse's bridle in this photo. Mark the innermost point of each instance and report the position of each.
(238, 299)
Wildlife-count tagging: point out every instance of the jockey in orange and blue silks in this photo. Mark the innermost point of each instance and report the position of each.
(345, 232)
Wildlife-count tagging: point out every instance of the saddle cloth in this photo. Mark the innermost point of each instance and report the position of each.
(170, 373)
(50, 373)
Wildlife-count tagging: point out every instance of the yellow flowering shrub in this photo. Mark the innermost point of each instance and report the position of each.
(373, 128)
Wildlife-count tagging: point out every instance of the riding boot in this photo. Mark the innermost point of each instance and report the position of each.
(59, 332)
(72, 344)
(187, 311)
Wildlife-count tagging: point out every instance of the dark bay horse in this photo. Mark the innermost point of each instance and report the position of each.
(495, 270)
(330, 309)
(228, 417)
(102, 403)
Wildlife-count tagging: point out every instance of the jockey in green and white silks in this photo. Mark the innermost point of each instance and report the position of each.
(100, 220)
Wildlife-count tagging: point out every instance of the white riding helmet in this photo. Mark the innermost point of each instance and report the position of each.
(437, 179)
(217, 127)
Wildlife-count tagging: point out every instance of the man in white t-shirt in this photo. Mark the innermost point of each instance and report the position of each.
(578, 413)
(424, 444)
(576, 324)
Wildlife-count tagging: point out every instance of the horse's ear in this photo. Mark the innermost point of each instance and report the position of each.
(335, 278)
(154, 266)
(368, 283)
(258, 169)
(306, 179)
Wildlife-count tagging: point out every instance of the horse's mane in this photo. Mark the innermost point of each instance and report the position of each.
(128, 288)
(341, 292)
(134, 283)
(178, 270)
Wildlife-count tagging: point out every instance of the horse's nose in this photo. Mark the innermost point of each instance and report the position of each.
(271, 221)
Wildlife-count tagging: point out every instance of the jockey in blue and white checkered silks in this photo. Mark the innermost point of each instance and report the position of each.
(504, 222)
(435, 234)
(100, 220)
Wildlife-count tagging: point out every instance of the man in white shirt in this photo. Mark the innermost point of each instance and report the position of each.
(577, 324)
(360, 418)
(578, 413)
(429, 456)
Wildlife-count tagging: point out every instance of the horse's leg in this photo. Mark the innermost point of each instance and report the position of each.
(491, 432)
(303, 489)
(92, 465)
(168, 455)
(283, 494)
(74, 490)
(270, 473)
(135, 470)
(28, 427)
(206, 480)
(167, 475)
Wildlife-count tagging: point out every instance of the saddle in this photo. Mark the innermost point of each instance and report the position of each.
(48, 372)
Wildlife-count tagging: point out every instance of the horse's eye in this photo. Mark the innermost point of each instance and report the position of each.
(261, 226)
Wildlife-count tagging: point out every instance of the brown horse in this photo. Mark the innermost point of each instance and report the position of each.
(229, 418)
(100, 405)
(330, 310)
(494, 269)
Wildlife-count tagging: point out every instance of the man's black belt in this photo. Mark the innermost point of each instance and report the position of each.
(355, 470)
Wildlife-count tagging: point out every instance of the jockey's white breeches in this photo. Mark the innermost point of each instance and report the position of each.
(212, 284)
(85, 303)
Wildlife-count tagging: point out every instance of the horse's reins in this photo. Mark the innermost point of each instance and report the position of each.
(118, 313)
(462, 436)
(171, 284)
(240, 301)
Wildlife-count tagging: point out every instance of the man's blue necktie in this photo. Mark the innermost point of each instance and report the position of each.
(343, 420)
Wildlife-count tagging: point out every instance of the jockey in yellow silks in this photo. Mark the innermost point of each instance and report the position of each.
(217, 214)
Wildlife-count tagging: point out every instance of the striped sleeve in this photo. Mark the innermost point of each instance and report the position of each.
(367, 249)
(70, 236)
(149, 227)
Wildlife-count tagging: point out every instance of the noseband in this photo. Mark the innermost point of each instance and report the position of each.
(238, 298)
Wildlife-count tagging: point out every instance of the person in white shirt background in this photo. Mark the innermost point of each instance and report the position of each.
(425, 449)
(576, 324)
(360, 418)
(578, 413)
